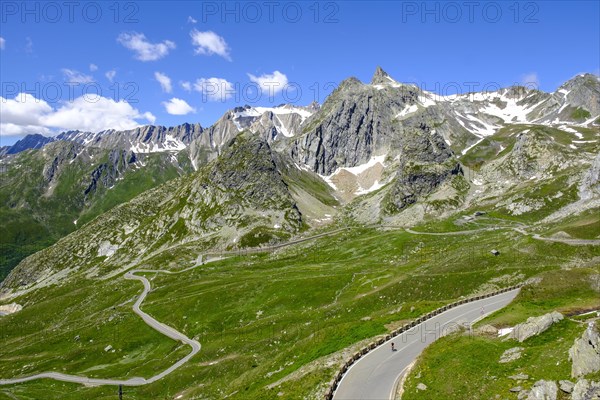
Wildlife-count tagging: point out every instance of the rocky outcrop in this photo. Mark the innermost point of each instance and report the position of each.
(487, 329)
(247, 166)
(566, 386)
(414, 181)
(11, 308)
(534, 326)
(585, 353)
(589, 187)
(586, 390)
(534, 155)
(360, 121)
(511, 355)
(543, 390)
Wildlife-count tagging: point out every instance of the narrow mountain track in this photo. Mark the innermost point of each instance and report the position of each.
(453, 233)
(568, 241)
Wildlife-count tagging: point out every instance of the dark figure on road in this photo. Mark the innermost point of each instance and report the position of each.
(393, 348)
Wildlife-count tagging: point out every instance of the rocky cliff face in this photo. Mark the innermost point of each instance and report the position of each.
(354, 124)
(247, 166)
(107, 173)
(57, 155)
(534, 155)
(383, 119)
(583, 91)
(589, 187)
(413, 182)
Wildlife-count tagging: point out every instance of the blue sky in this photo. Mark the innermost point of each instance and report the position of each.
(212, 57)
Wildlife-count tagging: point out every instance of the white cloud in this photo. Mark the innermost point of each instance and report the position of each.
(177, 106)
(531, 80)
(74, 76)
(143, 49)
(165, 82)
(209, 43)
(96, 114)
(22, 115)
(26, 114)
(214, 89)
(23, 110)
(272, 83)
(2, 43)
(28, 45)
(9, 129)
(191, 20)
(110, 75)
(93, 67)
(187, 86)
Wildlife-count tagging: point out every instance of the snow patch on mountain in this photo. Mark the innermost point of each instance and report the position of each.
(512, 112)
(358, 180)
(245, 117)
(170, 144)
(409, 109)
(427, 100)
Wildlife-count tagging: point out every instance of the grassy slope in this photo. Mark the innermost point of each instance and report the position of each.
(583, 226)
(32, 220)
(262, 317)
(502, 142)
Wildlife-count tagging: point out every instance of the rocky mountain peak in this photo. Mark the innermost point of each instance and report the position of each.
(346, 84)
(516, 92)
(240, 109)
(581, 91)
(380, 77)
(31, 141)
(582, 82)
(314, 106)
(582, 79)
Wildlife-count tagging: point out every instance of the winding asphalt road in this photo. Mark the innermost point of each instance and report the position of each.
(375, 375)
(153, 323)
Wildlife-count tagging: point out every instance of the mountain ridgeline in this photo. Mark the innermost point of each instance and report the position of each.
(382, 152)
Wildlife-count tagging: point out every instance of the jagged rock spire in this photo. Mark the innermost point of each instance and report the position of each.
(380, 77)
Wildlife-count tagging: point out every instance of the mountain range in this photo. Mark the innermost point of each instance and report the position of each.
(378, 152)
